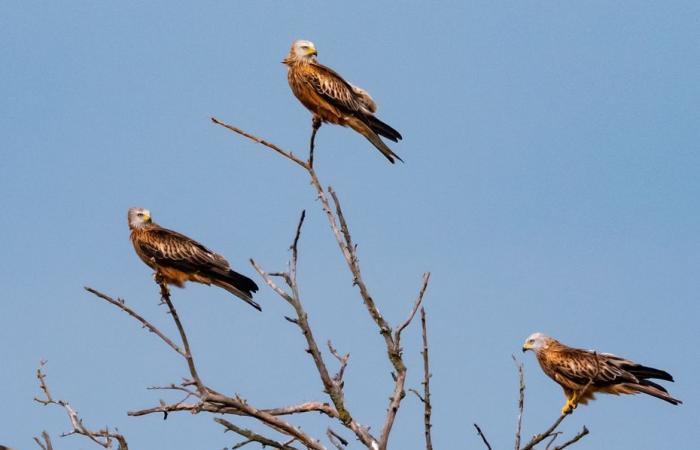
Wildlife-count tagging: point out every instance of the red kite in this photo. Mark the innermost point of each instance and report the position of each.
(177, 258)
(582, 373)
(331, 99)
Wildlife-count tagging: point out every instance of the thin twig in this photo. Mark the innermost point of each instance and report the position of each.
(427, 406)
(252, 436)
(396, 358)
(483, 437)
(121, 304)
(165, 296)
(46, 445)
(337, 440)
(285, 153)
(521, 401)
(103, 437)
(536, 439)
(574, 439)
(332, 385)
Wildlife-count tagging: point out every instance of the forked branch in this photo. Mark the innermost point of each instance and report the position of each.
(104, 437)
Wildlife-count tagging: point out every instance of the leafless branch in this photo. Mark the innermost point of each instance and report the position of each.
(252, 436)
(337, 440)
(551, 431)
(399, 366)
(104, 437)
(425, 398)
(521, 401)
(483, 437)
(121, 304)
(574, 439)
(536, 439)
(210, 400)
(286, 154)
(341, 232)
(45, 445)
(165, 296)
(323, 408)
(332, 385)
(343, 360)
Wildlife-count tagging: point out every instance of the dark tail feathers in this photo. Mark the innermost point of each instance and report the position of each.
(643, 372)
(383, 129)
(239, 285)
(657, 391)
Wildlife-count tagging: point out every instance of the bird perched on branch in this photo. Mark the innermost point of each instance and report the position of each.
(583, 373)
(177, 258)
(331, 99)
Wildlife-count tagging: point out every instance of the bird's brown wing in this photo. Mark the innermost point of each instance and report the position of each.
(580, 367)
(169, 248)
(331, 87)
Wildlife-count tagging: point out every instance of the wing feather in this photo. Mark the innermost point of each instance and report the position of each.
(334, 89)
(172, 249)
(581, 366)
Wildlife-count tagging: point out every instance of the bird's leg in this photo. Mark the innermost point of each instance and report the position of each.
(570, 404)
(315, 125)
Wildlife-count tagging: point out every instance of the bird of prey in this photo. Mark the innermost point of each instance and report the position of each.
(331, 99)
(177, 258)
(583, 373)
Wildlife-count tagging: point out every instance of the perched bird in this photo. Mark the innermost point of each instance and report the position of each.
(332, 99)
(177, 258)
(582, 373)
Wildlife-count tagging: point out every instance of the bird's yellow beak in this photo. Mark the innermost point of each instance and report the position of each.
(146, 217)
(526, 347)
(312, 51)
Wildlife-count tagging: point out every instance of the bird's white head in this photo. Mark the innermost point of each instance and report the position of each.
(138, 217)
(302, 51)
(536, 342)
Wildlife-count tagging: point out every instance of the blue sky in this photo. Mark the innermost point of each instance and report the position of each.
(551, 184)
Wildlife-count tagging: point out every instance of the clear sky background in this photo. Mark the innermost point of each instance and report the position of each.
(551, 184)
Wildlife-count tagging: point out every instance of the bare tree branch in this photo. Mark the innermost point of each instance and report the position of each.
(337, 440)
(252, 436)
(323, 408)
(121, 304)
(397, 359)
(332, 385)
(165, 296)
(104, 437)
(46, 445)
(521, 401)
(483, 437)
(536, 439)
(286, 154)
(343, 238)
(425, 398)
(551, 431)
(573, 440)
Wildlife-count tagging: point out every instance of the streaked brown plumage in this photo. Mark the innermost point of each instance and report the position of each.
(332, 99)
(177, 258)
(575, 368)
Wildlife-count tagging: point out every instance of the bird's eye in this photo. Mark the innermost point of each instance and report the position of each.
(140, 214)
(304, 47)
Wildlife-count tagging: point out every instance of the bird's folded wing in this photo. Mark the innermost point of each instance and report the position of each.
(169, 248)
(582, 367)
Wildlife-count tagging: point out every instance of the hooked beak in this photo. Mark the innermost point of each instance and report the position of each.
(524, 349)
(312, 51)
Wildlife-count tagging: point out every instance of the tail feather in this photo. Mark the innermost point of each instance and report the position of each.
(383, 129)
(655, 390)
(371, 136)
(643, 372)
(239, 285)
